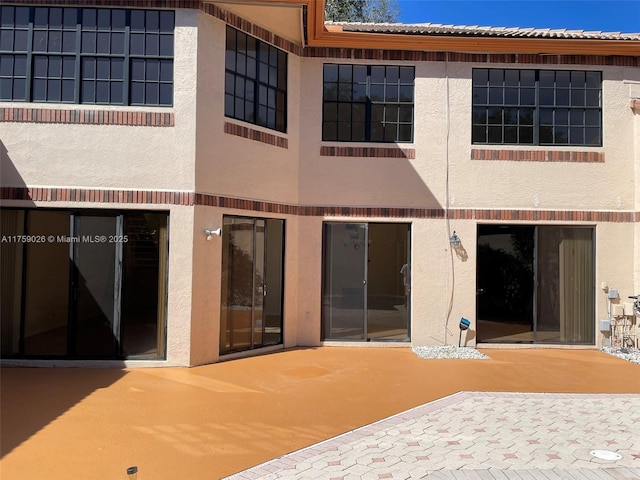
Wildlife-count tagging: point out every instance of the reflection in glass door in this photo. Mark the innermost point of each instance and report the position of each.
(252, 287)
(366, 284)
(343, 311)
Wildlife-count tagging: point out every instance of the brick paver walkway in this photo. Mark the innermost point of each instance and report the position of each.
(481, 436)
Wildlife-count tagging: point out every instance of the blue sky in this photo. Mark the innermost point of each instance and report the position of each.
(607, 15)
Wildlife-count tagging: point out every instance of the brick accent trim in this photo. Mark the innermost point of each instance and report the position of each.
(95, 195)
(256, 135)
(544, 215)
(510, 58)
(54, 194)
(86, 117)
(379, 152)
(537, 155)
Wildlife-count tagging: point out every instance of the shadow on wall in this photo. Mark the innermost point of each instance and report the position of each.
(468, 336)
(9, 175)
(364, 180)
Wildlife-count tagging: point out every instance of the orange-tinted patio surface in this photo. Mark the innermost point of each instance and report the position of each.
(211, 421)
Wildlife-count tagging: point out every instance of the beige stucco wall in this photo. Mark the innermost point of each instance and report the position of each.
(444, 285)
(230, 165)
(473, 184)
(102, 156)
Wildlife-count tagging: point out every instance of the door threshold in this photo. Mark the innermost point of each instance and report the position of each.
(365, 344)
(563, 346)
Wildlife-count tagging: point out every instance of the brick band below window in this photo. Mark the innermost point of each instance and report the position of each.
(256, 135)
(378, 152)
(53, 194)
(87, 117)
(537, 155)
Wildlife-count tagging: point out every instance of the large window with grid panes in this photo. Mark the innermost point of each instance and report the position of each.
(537, 107)
(255, 81)
(368, 103)
(86, 55)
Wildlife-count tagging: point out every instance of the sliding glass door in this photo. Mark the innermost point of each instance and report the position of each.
(535, 284)
(252, 283)
(366, 282)
(85, 285)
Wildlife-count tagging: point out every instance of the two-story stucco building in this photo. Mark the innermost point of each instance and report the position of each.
(186, 181)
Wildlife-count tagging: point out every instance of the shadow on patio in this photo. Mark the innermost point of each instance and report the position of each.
(211, 421)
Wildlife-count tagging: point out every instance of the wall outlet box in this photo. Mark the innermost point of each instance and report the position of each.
(605, 325)
(612, 293)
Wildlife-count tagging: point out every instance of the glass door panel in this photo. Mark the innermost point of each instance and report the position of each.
(505, 283)
(566, 300)
(273, 290)
(251, 306)
(46, 307)
(143, 283)
(96, 287)
(343, 312)
(11, 265)
(259, 285)
(237, 284)
(387, 297)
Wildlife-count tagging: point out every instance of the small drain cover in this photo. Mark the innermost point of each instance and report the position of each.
(605, 455)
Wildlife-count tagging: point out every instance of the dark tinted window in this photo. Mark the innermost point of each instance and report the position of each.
(568, 109)
(80, 55)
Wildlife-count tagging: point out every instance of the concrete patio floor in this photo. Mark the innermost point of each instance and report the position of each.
(212, 421)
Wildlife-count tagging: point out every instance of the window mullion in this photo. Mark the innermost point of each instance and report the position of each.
(127, 61)
(536, 110)
(367, 108)
(29, 80)
(78, 65)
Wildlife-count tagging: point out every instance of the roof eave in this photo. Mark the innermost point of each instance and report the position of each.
(320, 36)
(475, 44)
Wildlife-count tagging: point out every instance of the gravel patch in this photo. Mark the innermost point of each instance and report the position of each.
(629, 354)
(449, 351)
(452, 351)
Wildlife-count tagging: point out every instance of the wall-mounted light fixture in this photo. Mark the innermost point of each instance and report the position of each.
(455, 240)
(210, 232)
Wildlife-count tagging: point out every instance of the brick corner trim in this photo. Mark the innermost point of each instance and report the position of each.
(368, 152)
(86, 117)
(255, 135)
(537, 155)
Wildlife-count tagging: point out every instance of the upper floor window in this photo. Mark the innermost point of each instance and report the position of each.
(86, 55)
(368, 103)
(255, 81)
(537, 107)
